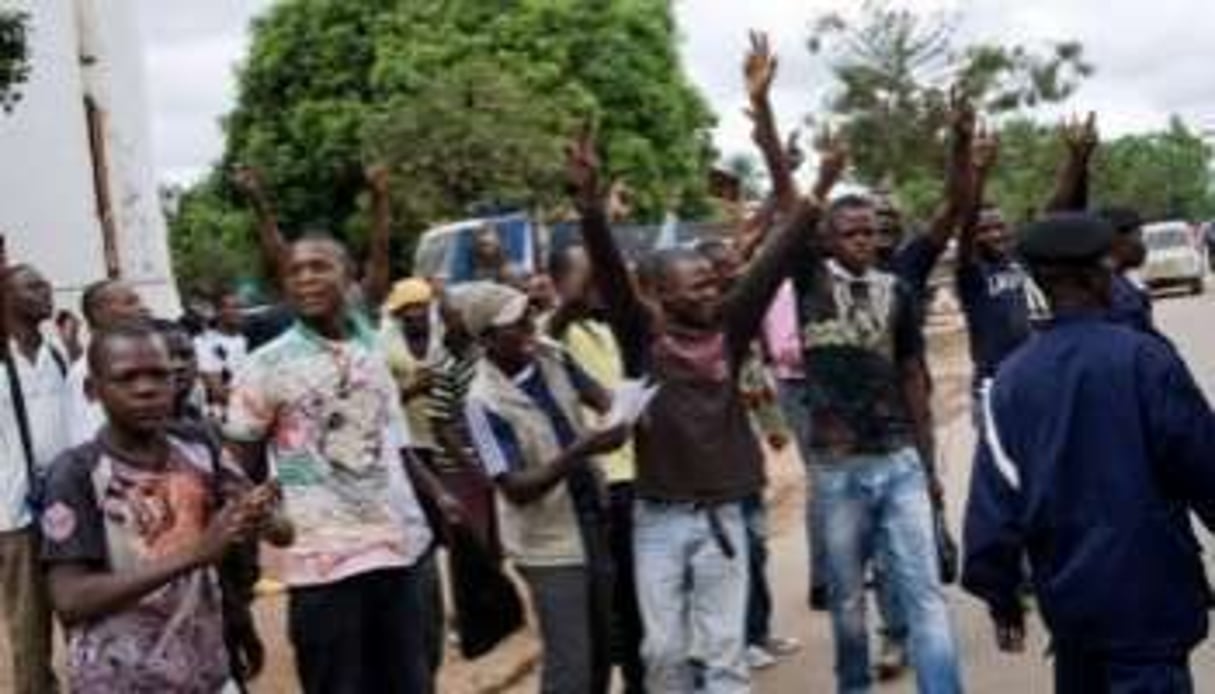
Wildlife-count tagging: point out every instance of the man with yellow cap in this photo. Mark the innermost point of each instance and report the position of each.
(412, 345)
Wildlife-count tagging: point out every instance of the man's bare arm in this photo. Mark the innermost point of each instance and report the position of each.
(269, 237)
(377, 271)
(83, 592)
(759, 70)
(627, 313)
(1072, 183)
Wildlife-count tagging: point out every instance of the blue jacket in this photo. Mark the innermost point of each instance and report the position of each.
(1097, 446)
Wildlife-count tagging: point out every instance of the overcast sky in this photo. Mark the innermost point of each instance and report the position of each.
(1153, 59)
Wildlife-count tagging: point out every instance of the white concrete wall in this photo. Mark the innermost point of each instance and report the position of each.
(47, 202)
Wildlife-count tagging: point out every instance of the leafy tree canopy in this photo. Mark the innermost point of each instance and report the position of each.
(895, 68)
(470, 104)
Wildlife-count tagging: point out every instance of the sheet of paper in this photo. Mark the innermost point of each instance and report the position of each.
(629, 402)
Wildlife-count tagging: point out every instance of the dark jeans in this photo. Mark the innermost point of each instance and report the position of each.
(759, 596)
(627, 629)
(434, 615)
(1079, 672)
(362, 635)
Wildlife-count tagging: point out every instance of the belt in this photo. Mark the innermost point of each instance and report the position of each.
(710, 508)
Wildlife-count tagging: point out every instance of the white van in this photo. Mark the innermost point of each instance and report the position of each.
(1175, 256)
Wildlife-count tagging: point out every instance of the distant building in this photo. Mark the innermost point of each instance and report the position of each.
(77, 185)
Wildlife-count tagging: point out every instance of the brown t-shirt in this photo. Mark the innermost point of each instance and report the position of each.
(695, 443)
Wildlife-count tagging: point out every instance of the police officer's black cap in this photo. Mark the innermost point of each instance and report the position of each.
(1065, 237)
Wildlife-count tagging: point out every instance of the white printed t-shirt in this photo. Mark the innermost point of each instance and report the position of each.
(330, 415)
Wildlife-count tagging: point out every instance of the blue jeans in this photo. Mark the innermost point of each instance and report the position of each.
(878, 504)
(693, 598)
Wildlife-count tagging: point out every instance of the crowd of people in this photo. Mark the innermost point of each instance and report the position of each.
(361, 427)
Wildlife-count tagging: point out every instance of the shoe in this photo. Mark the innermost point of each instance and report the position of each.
(782, 646)
(892, 660)
(818, 598)
(759, 659)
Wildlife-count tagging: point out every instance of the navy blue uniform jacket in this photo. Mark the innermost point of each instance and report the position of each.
(1098, 444)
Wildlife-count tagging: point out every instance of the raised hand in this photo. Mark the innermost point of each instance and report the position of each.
(793, 151)
(377, 177)
(582, 169)
(962, 116)
(759, 67)
(832, 162)
(248, 180)
(985, 151)
(1081, 137)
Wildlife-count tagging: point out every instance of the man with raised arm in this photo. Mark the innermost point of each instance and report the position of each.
(697, 456)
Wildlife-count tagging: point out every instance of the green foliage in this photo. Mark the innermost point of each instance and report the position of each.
(14, 57)
(1163, 174)
(210, 241)
(895, 68)
(469, 102)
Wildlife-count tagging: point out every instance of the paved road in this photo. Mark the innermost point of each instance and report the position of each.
(1190, 322)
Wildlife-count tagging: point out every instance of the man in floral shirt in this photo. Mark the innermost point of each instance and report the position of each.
(321, 402)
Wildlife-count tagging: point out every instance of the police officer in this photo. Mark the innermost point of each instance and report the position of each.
(1098, 445)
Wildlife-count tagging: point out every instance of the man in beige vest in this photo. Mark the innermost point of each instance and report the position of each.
(525, 415)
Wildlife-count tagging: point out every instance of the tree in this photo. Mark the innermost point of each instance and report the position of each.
(1164, 174)
(895, 68)
(469, 103)
(14, 57)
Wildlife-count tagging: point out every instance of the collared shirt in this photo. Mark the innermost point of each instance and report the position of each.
(1130, 304)
(858, 330)
(85, 416)
(330, 413)
(593, 347)
(495, 438)
(221, 354)
(406, 367)
(44, 387)
(996, 302)
(1097, 445)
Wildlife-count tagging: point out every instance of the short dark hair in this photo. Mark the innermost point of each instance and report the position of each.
(665, 260)
(90, 301)
(1125, 220)
(712, 248)
(322, 237)
(142, 329)
(559, 264)
(13, 270)
(852, 201)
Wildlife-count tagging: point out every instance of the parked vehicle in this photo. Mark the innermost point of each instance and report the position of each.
(1175, 257)
(446, 252)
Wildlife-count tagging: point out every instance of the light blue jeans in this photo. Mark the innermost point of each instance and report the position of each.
(693, 598)
(879, 504)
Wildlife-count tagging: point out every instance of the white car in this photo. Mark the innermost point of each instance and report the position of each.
(1174, 257)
